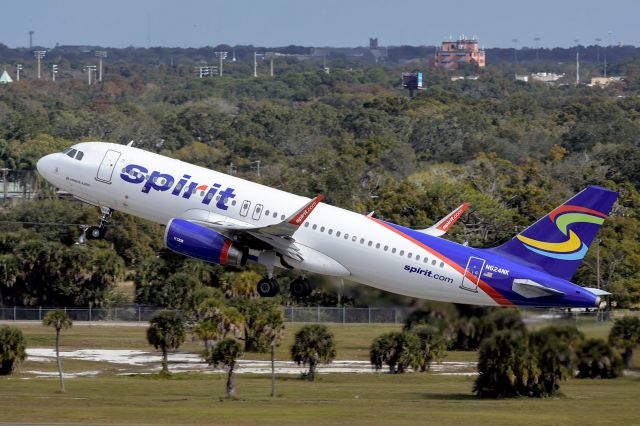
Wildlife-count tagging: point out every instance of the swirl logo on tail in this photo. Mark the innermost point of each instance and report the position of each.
(573, 248)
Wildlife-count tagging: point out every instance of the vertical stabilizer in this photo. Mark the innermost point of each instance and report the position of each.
(558, 242)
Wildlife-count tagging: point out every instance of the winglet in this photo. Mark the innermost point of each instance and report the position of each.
(444, 224)
(301, 215)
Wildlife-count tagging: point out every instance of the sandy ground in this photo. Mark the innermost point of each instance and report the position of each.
(137, 362)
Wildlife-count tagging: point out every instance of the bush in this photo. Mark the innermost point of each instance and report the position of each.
(398, 350)
(13, 349)
(596, 359)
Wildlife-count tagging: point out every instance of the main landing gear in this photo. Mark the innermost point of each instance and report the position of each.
(97, 232)
(299, 288)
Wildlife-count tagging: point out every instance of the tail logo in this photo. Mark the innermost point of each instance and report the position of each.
(573, 248)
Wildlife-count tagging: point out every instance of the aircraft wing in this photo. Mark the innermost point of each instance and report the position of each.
(444, 224)
(278, 236)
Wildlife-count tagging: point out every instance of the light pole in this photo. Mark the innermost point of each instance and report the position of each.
(255, 64)
(39, 54)
(515, 50)
(605, 53)
(90, 69)
(221, 56)
(18, 69)
(598, 40)
(577, 61)
(537, 39)
(100, 54)
(54, 71)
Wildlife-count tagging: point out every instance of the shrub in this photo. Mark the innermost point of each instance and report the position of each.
(13, 349)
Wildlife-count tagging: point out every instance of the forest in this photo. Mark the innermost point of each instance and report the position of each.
(513, 150)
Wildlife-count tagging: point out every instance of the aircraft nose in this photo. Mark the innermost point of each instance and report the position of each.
(44, 165)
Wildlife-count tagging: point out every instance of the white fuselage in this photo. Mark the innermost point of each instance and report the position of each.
(371, 253)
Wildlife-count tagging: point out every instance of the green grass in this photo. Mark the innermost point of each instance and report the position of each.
(334, 399)
(355, 399)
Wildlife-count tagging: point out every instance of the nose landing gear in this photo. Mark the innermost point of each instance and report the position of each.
(97, 232)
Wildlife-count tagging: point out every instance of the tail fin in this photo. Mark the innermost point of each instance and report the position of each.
(558, 242)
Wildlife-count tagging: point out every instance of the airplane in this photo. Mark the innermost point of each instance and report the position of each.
(230, 221)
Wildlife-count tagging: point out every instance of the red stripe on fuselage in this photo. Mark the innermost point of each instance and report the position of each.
(493, 293)
(224, 252)
(573, 209)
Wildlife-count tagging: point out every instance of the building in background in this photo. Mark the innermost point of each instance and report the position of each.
(464, 51)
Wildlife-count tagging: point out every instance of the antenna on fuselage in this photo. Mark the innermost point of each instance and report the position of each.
(130, 143)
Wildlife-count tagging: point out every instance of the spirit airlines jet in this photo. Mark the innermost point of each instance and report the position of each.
(226, 220)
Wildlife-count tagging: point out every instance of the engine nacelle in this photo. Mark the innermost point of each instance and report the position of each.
(202, 243)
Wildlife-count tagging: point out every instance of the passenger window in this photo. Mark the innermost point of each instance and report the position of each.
(361, 240)
(409, 255)
(346, 236)
(386, 248)
(442, 264)
(275, 215)
(354, 238)
(202, 193)
(433, 262)
(314, 227)
(393, 250)
(306, 224)
(79, 155)
(426, 260)
(322, 229)
(209, 196)
(330, 231)
(233, 203)
(266, 212)
(337, 233)
(401, 253)
(283, 217)
(377, 245)
(417, 257)
(370, 243)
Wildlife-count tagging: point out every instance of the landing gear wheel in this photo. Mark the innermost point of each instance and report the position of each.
(95, 233)
(300, 288)
(268, 287)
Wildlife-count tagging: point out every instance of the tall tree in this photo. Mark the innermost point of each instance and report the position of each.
(273, 332)
(59, 320)
(166, 332)
(313, 344)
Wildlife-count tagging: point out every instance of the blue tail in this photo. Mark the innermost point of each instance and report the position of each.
(558, 242)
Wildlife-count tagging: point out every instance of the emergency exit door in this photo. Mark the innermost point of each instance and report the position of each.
(472, 274)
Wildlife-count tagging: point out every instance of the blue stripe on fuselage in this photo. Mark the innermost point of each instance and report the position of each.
(459, 254)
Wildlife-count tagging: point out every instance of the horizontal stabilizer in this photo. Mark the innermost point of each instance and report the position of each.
(597, 291)
(530, 289)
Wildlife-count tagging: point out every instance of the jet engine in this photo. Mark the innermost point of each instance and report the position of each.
(190, 239)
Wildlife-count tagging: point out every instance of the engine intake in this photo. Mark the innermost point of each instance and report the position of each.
(202, 243)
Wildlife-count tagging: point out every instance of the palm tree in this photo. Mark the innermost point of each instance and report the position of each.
(166, 332)
(596, 358)
(59, 320)
(432, 346)
(225, 354)
(313, 344)
(625, 336)
(399, 350)
(13, 349)
(273, 332)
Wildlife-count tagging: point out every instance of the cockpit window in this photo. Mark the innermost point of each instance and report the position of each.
(66, 151)
(71, 153)
(79, 155)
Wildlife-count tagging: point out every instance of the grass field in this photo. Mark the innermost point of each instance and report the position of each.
(355, 399)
